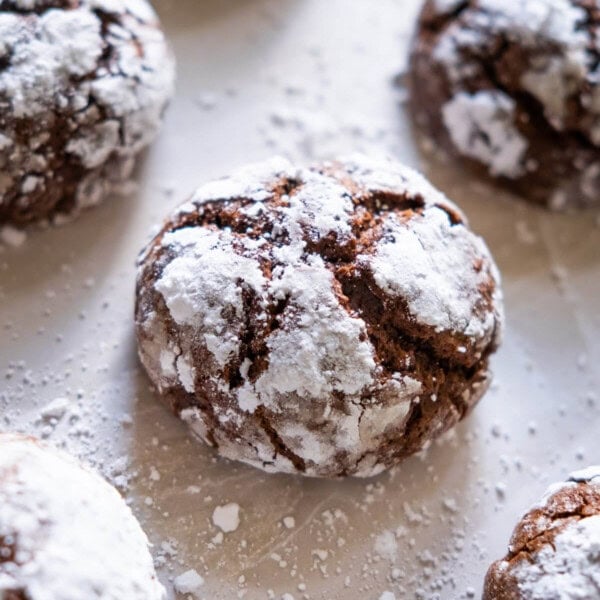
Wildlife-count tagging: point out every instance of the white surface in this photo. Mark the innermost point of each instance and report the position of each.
(308, 79)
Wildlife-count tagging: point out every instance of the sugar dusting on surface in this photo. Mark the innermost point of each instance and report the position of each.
(189, 582)
(74, 536)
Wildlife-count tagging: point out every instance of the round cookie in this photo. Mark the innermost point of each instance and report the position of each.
(83, 86)
(328, 321)
(554, 552)
(65, 534)
(512, 89)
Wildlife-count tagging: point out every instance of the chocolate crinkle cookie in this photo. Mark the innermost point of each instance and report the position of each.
(327, 321)
(513, 88)
(66, 534)
(83, 86)
(554, 552)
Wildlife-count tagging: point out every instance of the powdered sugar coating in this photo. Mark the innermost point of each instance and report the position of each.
(553, 78)
(418, 260)
(70, 534)
(253, 281)
(567, 570)
(529, 20)
(589, 474)
(82, 92)
(418, 263)
(482, 127)
(204, 282)
(324, 352)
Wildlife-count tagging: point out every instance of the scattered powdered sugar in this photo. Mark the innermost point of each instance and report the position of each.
(74, 536)
(227, 517)
(566, 569)
(386, 546)
(11, 236)
(56, 409)
(316, 134)
(482, 126)
(189, 582)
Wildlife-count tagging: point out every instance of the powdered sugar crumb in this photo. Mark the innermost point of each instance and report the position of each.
(189, 582)
(11, 236)
(227, 517)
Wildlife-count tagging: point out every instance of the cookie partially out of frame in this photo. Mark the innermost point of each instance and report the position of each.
(326, 321)
(83, 87)
(66, 534)
(554, 552)
(512, 88)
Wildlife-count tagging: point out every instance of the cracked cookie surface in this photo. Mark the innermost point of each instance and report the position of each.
(554, 552)
(66, 534)
(328, 321)
(512, 88)
(83, 87)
